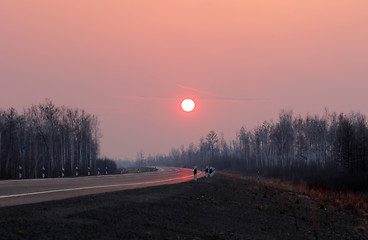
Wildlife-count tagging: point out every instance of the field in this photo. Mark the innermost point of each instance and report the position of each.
(223, 207)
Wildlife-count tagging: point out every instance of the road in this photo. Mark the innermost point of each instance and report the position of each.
(16, 192)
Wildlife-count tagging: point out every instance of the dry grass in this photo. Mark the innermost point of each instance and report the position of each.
(361, 229)
(357, 202)
(338, 200)
(315, 221)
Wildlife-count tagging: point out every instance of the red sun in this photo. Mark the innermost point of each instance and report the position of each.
(188, 105)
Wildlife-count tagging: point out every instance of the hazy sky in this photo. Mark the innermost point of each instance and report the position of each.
(132, 62)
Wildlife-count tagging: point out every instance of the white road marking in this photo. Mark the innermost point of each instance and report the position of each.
(92, 187)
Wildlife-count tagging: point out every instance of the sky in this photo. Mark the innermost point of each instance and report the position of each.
(132, 62)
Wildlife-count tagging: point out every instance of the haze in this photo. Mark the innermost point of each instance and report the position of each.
(132, 62)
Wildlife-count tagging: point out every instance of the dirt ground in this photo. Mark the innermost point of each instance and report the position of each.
(222, 207)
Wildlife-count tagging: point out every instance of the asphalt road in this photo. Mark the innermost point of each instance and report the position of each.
(16, 192)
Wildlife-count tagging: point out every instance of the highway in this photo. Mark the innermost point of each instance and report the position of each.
(25, 191)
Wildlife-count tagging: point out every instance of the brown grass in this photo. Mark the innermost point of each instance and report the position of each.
(357, 202)
(339, 200)
(235, 182)
(315, 221)
(361, 229)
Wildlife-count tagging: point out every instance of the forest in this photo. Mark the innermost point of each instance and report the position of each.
(48, 141)
(287, 148)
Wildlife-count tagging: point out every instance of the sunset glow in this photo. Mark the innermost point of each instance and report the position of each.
(97, 97)
(110, 57)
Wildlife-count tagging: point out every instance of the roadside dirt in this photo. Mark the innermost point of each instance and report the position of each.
(223, 207)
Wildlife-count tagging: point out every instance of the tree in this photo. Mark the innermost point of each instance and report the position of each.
(212, 140)
(344, 143)
(47, 136)
(244, 143)
(283, 137)
(292, 145)
(261, 143)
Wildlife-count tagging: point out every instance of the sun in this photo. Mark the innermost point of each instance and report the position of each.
(188, 105)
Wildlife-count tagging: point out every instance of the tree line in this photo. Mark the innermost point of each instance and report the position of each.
(48, 139)
(338, 141)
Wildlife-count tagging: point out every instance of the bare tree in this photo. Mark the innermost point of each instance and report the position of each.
(46, 136)
(212, 140)
(283, 137)
(244, 143)
(290, 143)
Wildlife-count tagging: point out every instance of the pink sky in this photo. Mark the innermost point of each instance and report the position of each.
(103, 56)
